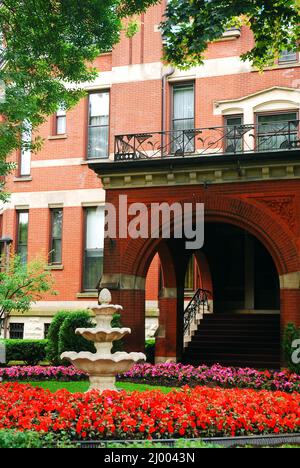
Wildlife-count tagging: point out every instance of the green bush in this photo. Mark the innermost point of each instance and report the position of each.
(29, 351)
(61, 334)
(68, 340)
(53, 334)
(29, 439)
(150, 351)
(116, 323)
(291, 334)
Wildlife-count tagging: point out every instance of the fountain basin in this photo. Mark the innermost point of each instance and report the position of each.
(106, 309)
(104, 364)
(103, 335)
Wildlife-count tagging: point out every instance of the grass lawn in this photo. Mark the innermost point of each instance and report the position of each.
(81, 387)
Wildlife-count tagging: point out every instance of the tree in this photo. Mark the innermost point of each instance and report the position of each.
(20, 286)
(190, 26)
(48, 50)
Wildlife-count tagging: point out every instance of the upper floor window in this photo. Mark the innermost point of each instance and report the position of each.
(98, 132)
(61, 121)
(22, 240)
(94, 245)
(277, 131)
(183, 118)
(288, 56)
(56, 236)
(234, 133)
(25, 159)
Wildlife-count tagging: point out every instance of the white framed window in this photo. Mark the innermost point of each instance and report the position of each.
(94, 247)
(98, 131)
(287, 56)
(61, 121)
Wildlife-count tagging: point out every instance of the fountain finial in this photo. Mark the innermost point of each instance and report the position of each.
(105, 297)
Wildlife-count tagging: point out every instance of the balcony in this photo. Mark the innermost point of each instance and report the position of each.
(230, 140)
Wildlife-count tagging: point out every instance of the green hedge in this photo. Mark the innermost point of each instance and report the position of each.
(62, 337)
(150, 351)
(68, 340)
(291, 334)
(29, 351)
(52, 350)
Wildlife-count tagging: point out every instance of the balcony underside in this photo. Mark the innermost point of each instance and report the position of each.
(196, 169)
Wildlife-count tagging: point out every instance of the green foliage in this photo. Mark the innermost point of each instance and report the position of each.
(116, 323)
(291, 335)
(150, 351)
(68, 340)
(191, 25)
(62, 337)
(29, 439)
(21, 285)
(30, 351)
(53, 334)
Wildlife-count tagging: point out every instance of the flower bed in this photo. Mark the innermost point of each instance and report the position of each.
(172, 375)
(39, 373)
(189, 413)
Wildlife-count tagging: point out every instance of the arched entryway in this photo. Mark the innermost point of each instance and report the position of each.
(272, 243)
(240, 325)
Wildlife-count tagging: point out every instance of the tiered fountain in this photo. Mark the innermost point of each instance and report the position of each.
(103, 366)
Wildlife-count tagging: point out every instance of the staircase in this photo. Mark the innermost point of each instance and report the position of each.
(237, 340)
(194, 313)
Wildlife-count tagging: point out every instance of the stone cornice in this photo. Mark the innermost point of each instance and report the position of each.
(195, 170)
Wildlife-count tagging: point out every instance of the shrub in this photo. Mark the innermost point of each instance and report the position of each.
(291, 334)
(30, 439)
(29, 351)
(116, 323)
(150, 351)
(53, 333)
(68, 340)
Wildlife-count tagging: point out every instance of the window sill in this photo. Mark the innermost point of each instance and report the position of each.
(85, 162)
(57, 137)
(230, 35)
(280, 66)
(54, 267)
(23, 179)
(87, 295)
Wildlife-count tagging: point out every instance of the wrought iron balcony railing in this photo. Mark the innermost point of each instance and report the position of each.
(239, 139)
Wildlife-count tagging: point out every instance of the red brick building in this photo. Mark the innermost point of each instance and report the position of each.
(221, 134)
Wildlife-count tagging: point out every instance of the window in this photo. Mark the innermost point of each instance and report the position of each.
(22, 245)
(16, 331)
(183, 118)
(94, 244)
(277, 131)
(56, 236)
(234, 134)
(288, 56)
(46, 330)
(25, 159)
(61, 122)
(98, 125)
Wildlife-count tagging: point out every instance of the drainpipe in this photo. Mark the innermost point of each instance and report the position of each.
(165, 77)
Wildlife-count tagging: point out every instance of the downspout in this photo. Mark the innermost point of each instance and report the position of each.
(165, 77)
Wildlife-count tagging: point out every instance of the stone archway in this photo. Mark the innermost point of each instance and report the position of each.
(128, 264)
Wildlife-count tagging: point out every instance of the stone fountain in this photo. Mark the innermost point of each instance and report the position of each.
(103, 366)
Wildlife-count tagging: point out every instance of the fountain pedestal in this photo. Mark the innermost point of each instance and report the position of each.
(103, 366)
